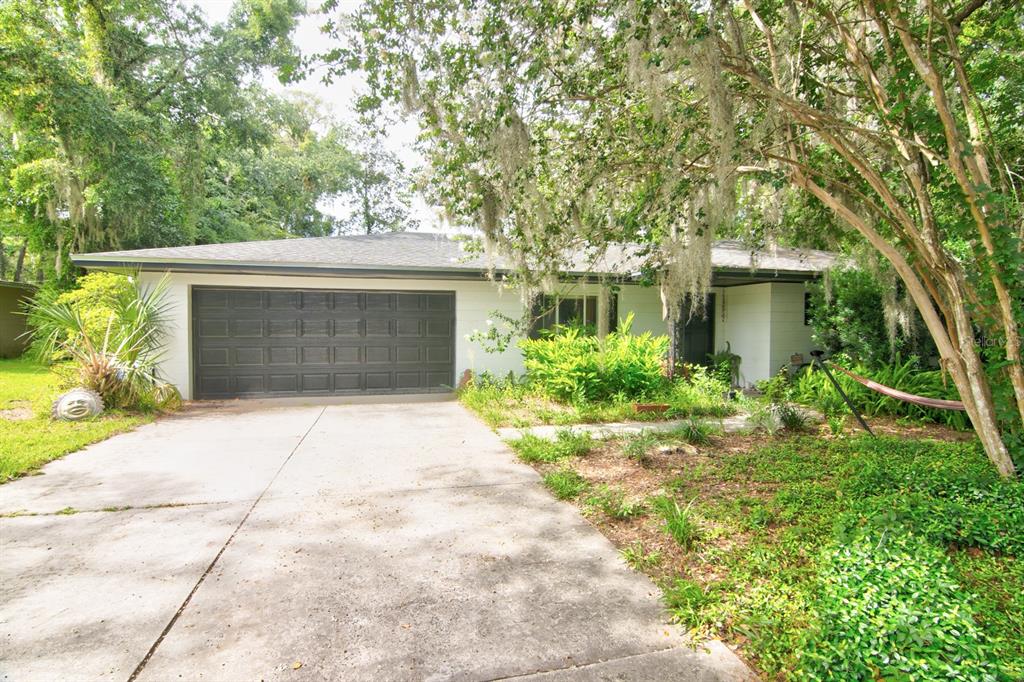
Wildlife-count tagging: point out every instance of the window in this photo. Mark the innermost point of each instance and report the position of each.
(552, 311)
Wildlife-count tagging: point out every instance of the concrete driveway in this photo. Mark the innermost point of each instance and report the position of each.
(253, 540)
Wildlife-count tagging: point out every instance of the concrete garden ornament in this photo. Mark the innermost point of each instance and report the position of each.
(77, 404)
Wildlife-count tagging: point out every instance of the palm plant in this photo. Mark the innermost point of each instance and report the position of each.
(120, 363)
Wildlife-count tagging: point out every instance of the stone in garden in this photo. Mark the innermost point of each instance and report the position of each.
(77, 404)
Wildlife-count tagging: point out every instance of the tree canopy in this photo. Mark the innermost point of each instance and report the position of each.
(873, 126)
(136, 124)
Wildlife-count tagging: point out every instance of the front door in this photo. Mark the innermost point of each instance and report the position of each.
(695, 337)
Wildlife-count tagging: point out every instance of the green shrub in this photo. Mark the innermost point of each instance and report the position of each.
(851, 320)
(567, 443)
(813, 388)
(566, 484)
(113, 331)
(95, 297)
(700, 394)
(889, 607)
(574, 367)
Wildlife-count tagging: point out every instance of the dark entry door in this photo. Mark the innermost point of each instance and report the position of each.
(278, 342)
(696, 336)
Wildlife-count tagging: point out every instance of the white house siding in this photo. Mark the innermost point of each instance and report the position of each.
(744, 323)
(789, 333)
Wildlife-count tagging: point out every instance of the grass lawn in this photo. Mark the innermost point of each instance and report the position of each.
(806, 552)
(28, 438)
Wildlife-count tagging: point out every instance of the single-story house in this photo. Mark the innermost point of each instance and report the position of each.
(13, 297)
(396, 313)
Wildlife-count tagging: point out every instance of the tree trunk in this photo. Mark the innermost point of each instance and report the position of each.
(19, 264)
(3, 259)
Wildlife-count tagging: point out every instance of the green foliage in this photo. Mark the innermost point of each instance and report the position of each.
(892, 608)
(699, 393)
(614, 503)
(110, 138)
(638, 446)
(813, 388)
(566, 484)
(726, 365)
(113, 331)
(574, 367)
(855, 574)
(638, 558)
(849, 318)
(687, 600)
(567, 443)
(693, 432)
(680, 522)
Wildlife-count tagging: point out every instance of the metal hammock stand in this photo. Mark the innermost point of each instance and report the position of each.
(880, 388)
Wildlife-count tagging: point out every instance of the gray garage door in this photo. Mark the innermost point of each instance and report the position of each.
(278, 342)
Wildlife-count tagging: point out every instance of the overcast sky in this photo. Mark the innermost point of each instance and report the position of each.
(340, 96)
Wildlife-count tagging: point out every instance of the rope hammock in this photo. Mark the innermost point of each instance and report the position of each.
(935, 403)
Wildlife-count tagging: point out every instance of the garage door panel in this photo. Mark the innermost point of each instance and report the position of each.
(246, 329)
(280, 328)
(213, 329)
(251, 357)
(348, 327)
(318, 342)
(316, 355)
(245, 300)
(310, 327)
(376, 302)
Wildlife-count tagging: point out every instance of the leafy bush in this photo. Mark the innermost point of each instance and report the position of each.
(813, 388)
(113, 331)
(567, 443)
(566, 484)
(574, 367)
(699, 393)
(853, 321)
(889, 607)
(96, 297)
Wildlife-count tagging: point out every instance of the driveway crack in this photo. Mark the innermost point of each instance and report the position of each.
(195, 588)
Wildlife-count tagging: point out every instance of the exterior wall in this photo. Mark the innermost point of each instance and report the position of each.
(764, 325)
(744, 323)
(12, 322)
(475, 302)
(789, 333)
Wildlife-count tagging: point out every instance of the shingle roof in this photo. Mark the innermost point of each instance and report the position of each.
(415, 251)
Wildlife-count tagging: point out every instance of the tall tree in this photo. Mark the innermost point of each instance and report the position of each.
(558, 125)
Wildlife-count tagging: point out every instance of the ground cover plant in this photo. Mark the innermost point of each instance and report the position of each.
(28, 437)
(823, 555)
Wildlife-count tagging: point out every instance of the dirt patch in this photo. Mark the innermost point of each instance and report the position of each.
(17, 411)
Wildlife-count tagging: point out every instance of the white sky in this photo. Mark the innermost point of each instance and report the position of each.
(340, 97)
